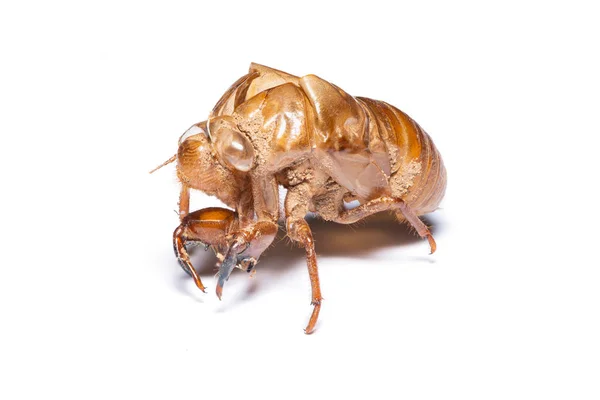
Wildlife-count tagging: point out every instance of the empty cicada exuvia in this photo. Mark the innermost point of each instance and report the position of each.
(324, 146)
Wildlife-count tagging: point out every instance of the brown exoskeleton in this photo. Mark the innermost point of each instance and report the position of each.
(323, 145)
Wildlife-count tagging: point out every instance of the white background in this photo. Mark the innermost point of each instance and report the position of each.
(94, 305)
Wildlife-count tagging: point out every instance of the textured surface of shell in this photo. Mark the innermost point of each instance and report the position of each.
(271, 129)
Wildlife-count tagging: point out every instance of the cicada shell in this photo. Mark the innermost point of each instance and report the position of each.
(326, 147)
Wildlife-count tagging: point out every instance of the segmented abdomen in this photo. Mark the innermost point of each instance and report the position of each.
(418, 174)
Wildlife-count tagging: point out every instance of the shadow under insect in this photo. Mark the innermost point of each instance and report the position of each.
(360, 240)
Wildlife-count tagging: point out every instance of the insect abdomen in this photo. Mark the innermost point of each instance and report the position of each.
(418, 174)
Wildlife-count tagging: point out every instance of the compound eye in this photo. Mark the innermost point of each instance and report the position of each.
(194, 130)
(235, 149)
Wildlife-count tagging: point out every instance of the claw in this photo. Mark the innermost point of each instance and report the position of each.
(313, 318)
(432, 244)
(248, 264)
(184, 259)
(219, 290)
(225, 270)
(229, 262)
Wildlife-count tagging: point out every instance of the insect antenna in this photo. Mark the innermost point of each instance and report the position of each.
(169, 161)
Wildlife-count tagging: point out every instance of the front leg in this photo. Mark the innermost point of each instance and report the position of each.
(245, 247)
(209, 226)
(254, 236)
(248, 243)
(184, 201)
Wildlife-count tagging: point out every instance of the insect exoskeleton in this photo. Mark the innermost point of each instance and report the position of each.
(324, 146)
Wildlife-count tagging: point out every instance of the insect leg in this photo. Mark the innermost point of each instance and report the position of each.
(415, 221)
(245, 246)
(299, 231)
(209, 226)
(364, 210)
(184, 201)
(296, 207)
(403, 211)
(179, 240)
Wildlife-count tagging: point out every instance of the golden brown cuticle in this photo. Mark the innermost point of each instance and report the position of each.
(324, 146)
